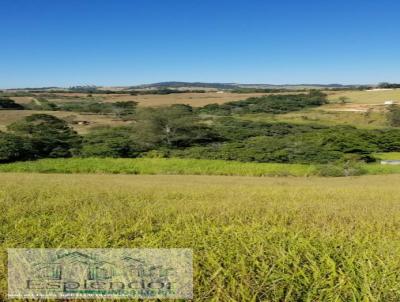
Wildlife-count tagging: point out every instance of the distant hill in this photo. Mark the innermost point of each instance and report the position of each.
(234, 85)
(190, 85)
(186, 84)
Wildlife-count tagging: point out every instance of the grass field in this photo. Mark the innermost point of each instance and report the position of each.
(157, 166)
(368, 97)
(193, 99)
(372, 120)
(177, 166)
(254, 239)
(388, 155)
(377, 97)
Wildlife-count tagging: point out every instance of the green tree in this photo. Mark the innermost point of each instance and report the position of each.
(173, 127)
(51, 136)
(14, 147)
(112, 142)
(124, 110)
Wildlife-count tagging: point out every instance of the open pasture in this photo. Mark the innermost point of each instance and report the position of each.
(369, 97)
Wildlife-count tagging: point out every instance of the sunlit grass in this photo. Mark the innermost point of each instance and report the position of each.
(254, 239)
(157, 166)
(176, 166)
(388, 155)
(377, 97)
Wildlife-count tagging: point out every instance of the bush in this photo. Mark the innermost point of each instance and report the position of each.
(14, 147)
(9, 104)
(111, 142)
(341, 169)
(50, 136)
(268, 104)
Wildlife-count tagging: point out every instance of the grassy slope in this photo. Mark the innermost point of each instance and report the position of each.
(174, 166)
(338, 114)
(254, 239)
(367, 97)
(324, 117)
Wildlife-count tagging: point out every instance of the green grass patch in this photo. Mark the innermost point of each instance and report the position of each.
(177, 166)
(375, 169)
(158, 166)
(388, 155)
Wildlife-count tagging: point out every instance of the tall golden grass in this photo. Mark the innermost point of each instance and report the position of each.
(254, 239)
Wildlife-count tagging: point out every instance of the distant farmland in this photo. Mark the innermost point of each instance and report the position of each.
(193, 99)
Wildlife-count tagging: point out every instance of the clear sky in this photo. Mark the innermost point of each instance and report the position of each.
(126, 42)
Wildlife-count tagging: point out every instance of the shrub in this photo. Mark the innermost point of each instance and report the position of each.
(14, 147)
(111, 142)
(9, 104)
(50, 136)
(268, 104)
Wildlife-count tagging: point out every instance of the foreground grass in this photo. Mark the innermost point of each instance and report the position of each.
(177, 166)
(157, 166)
(254, 239)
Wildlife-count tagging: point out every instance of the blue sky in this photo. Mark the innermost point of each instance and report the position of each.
(88, 42)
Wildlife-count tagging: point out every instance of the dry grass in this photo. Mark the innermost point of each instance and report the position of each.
(254, 239)
(193, 99)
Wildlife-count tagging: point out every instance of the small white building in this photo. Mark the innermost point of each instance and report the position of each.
(389, 103)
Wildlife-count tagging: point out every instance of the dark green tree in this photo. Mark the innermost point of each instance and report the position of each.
(14, 147)
(112, 142)
(173, 127)
(50, 136)
(9, 104)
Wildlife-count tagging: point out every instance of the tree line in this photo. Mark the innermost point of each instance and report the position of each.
(184, 131)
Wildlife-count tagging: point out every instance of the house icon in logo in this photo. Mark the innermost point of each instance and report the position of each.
(74, 266)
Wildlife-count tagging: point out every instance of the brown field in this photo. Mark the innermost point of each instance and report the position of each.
(366, 97)
(193, 99)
